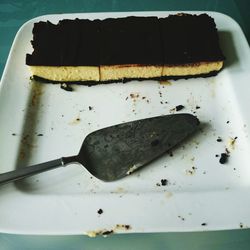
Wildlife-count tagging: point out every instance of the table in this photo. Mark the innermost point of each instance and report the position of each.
(12, 15)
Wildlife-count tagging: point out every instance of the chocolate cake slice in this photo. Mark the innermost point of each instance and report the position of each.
(66, 52)
(131, 48)
(123, 49)
(190, 46)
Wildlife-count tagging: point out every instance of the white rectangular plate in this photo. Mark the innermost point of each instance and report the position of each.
(41, 122)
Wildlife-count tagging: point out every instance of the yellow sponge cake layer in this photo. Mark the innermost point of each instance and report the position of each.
(192, 69)
(67, 73)
(119, 72)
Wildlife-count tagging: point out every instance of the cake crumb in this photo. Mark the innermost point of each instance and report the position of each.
(123, 226)
(66, 87)
(106, 232)
(179, 107)
(134, 95)
(100, 211)
(232, 142)
(219, 139)
(223, 158)
(164, 182)
(180, 217)
(165, 82)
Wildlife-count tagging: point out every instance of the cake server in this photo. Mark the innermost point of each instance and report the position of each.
(115, 152)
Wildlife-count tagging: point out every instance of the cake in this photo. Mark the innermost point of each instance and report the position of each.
(65, 52)
(190, 46)
(124, 49)
(131, 48)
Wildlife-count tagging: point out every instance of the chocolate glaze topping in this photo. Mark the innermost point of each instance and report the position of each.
(131, 40)
(69, 43)
(176, 39)
(190, 39)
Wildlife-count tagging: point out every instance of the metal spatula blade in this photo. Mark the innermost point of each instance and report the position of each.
(115, 152)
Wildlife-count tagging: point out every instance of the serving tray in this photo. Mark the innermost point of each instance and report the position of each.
(185, 190)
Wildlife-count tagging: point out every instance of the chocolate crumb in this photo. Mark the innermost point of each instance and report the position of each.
(126, 98)
(170, 153)
(78, 119)
(107, 232)
(13, 134)
(161, 102)
(228, 122)
(164, 182)
(144, 97)
(179, 107)
(182, 218)
(155, 143)
(204, 224)
(219, 139)
(100, 211)
(197, 107)
(66, 87)
(90, 108)
(39, 134)
(127, 227)
(223, 158)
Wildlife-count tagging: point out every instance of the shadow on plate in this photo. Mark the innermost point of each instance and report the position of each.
(228, 48)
